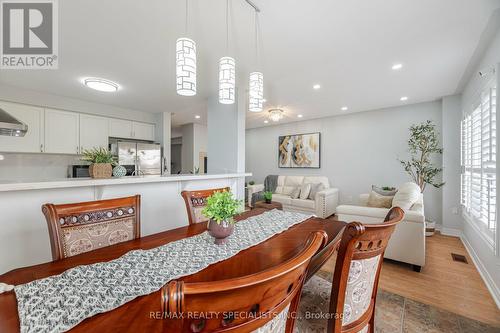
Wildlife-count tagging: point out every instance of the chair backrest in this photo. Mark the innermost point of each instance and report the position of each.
(357, 270)
(197, 200)
(85, 226)
(259, 302)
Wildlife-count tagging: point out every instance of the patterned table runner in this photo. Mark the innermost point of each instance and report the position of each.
(58, 303)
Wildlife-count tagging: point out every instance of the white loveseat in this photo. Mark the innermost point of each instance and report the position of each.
(323, 205)
(407, 243)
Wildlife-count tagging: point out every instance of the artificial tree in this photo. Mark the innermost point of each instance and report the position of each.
(422, 144)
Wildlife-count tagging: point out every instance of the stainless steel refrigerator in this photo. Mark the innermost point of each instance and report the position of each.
(139, 158)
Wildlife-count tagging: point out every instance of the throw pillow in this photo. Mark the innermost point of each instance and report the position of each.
(406, 196)
(305, 189)
(315, 188)
(295, 193)
(381, 191)
(379, 201)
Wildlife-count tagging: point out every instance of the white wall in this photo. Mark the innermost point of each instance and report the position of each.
(357, 150)
(452, 115)
(194, 141)
(487, 261)
(187, 150)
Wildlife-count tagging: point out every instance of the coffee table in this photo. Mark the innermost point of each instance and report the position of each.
(269, 206)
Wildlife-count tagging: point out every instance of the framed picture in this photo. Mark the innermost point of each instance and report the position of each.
(299, 151)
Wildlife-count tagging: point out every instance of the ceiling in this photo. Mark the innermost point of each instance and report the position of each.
(348, 47)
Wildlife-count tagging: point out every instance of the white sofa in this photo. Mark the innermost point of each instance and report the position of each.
(324, 204)
(407, 243)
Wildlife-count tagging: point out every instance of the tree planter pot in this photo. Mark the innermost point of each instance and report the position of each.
(100, 170)
(268, 201)
(430, 228)
(220, 231)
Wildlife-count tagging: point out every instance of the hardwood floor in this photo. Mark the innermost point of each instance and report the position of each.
(443, 283)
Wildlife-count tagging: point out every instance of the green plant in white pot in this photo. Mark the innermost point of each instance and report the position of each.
(423, 144)
(220, 209)
(101, 160)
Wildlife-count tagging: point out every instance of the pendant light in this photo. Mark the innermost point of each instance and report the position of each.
(227, 71)
(185, 62)
(256, 82)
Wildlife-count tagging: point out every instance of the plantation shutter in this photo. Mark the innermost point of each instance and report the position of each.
(478, 158)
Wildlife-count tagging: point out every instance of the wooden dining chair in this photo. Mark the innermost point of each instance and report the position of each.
(263, 302)
(197, 200)
(349, 302)
(85, 226)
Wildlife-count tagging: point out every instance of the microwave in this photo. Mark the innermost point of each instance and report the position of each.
(79, 171)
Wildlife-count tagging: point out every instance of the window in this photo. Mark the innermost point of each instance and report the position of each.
(478, 178)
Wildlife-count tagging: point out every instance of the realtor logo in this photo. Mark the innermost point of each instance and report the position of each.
(29, 34)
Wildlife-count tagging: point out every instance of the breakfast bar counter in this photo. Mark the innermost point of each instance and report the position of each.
(24, 239)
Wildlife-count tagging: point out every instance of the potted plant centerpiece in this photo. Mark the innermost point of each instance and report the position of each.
(268, 196)
(220, 209)
(101, 160)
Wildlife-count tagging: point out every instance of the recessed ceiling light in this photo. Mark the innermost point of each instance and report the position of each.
(397, 66)
(404, 98)
(266, 121)
(101, 84)
(344, 108)
(299, 116)
(316, 86)
(197, 117)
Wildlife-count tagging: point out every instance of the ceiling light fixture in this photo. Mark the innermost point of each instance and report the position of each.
(344, 108)
(276, 114)
(101, 84)
(227, 71)
(197, 117)
(266, 121)
(185, 63)
(256, 80)
(299, 116)
(316, 86)
(396, 67)
(404, 98)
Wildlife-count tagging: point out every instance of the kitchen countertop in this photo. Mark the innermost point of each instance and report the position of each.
(23, 185)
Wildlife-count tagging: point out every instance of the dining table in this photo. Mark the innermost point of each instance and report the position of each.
(142, 313)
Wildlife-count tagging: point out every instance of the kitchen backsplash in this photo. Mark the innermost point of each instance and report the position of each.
(15, 167)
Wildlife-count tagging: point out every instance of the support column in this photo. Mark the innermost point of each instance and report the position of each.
(226, 137)
(163, 136)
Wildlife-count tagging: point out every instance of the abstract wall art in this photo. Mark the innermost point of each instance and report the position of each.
(299, 151)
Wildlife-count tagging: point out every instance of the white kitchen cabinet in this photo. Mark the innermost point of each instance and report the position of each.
(94, 132)
(119, 128)
(143, 131)
(61, 132)
(31, 116)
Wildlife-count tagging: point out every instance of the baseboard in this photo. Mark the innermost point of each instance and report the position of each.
(488, 280)
(451, 232)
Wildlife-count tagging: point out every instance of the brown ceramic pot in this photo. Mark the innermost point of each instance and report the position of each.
(100, 170)
(220, 231)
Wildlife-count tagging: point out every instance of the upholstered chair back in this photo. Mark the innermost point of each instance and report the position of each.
(357, 270)
(264, 302)
(85, 226)
(197, 200)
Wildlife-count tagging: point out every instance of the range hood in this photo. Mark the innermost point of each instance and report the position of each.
(10, 126)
